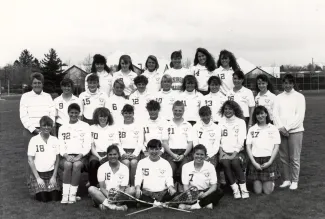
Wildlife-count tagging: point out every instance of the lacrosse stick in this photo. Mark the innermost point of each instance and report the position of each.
(189, 196)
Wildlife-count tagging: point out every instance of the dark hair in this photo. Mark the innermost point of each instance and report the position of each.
(189, 78)
(266, 79)
(175, 54)
(153, 58)
(154, 143)
(214, 79)
(45, 120)
(113, 147)
(200, 147)
(258, 110)
(153, 105)
(126, 59)
(37, 76)
(104, 112)
(67, 81)
(232, 60)
(289, 77)
(210, 63)
(99, 59)
(74, 106)
(121, 82)
(239, 74)
(233, 105)
(93, 77)
(127, 108)
(205, 111)
(140, 79)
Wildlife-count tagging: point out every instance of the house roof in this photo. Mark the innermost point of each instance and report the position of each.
(73, 66)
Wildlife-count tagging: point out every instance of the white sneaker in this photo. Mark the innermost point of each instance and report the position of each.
(184, 207)
(293, 186)
(65, 199)
(244, 194)
(209, 206)
(158, 204)
(121, 208)
(72, 199)
(237, 194)
(195, 206)
(285, 184)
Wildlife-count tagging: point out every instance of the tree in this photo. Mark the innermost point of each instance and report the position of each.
(26, 58)
(87, 63)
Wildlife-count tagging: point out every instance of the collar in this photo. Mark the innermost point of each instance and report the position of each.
(33, 92)
(265, 95)
(97, 92)
(202, 168)
(291, 92)
(223, 69)
(207, 125)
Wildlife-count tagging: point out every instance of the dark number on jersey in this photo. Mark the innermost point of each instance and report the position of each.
(255, 134)
(208, 102)
(39, 148)
(231, 98)
(86, 101)
(66, 135)
(222, 76)
(108, 176)
(145, 171)
(60, 105)
(146, 130)
(200, 134)
(184, 102)
(191, 177)
(171, 131)
(159, 100)
(95, 135)
(122, 134)
(224, 132)
(114, 106)
(135, 101)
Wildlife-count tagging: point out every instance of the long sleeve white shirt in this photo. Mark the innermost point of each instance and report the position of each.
(202, 75)
(33, 107)
(214, 101)
(105, 82)
(61, 107)
(128, 80)
(289, 111)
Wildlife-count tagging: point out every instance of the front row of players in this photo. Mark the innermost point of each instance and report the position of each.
(153, 177)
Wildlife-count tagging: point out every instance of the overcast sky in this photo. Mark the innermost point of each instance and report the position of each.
(277, 32)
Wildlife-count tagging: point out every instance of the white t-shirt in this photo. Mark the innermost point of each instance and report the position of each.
(105, 82)
(226, 79)
(266, 100)
(44, 153)
(154, 81)
(102, 138)
(178, 136)
(177, 76)
(192, 102)
(209, 135)
(202, 179)
(263, 140)
(215, 102)
(202, 75)
(92, 101)
(61, 107)
(155, 176)
(244, 97)
(115, 106)
(131, 137)
(113, 180)
(139, 101)
(127, 79)
(166, 100)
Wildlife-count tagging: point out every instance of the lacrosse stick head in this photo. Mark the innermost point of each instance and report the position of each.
(115, 195)
(189, 196)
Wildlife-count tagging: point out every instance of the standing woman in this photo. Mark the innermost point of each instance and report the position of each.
(265, 96)
(126, 72)
(177, 72)
(289, 115)
(43, 159)
(153, 74)
(226, 66)
(100, 68)
(233, 135)
(262, 143)
(203, 69)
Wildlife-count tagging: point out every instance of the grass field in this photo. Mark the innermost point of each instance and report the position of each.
(307, 202)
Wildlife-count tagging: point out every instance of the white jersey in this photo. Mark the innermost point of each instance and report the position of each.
(177, 76)
(75, 138)
(115, 106)
(266, 100)
(131, 137)
(113, 180)
(233, 134)
(178, 136)
(202, 75)
(226, 79)
(192, 102)
(155, 176)
(92, 101)
(209, 135)
(61, 107)
(102, 138)
(244, 97)
(215, 102)
(128, 80)
(139, 102)
(154, 79)
(203, 179)
(263, 139)
(44, 152)
(105, 82)
(166, 100)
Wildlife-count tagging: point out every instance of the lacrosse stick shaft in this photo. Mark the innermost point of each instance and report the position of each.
(141, 210)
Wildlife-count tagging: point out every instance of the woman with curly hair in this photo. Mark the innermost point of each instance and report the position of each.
(226, 66)
(203, 69)
(153, 74)
(233, 135)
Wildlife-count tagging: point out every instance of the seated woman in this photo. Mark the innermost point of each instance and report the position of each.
(233, 135)
(262, 144)
(102, 135)
(111, 175)
(154, 174)
(201, 174)
(43, 159)
(75, 144)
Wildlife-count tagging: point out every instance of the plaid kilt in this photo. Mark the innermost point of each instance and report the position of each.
(130, 151)
(46, 176)
(155, 195)
(269, 174)
(84, 161)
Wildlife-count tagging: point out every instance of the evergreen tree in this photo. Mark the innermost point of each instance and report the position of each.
(26, 58)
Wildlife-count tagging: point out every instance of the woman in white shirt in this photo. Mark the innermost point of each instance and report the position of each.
(262, 145)
(203, 69)
(233, 135)
(289, 115)
(153, 74)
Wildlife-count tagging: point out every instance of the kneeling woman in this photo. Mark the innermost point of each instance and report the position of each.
(75, 144)
(201, 174)
(43, 159)
(111, 175)
(262, 143)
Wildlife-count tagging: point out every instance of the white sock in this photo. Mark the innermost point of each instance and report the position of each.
(196, 206)
(66, 189)
(234, 187)
(73, 190)
(243, 187)
(105, 202)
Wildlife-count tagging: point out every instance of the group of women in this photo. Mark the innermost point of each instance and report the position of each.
(156, 134)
